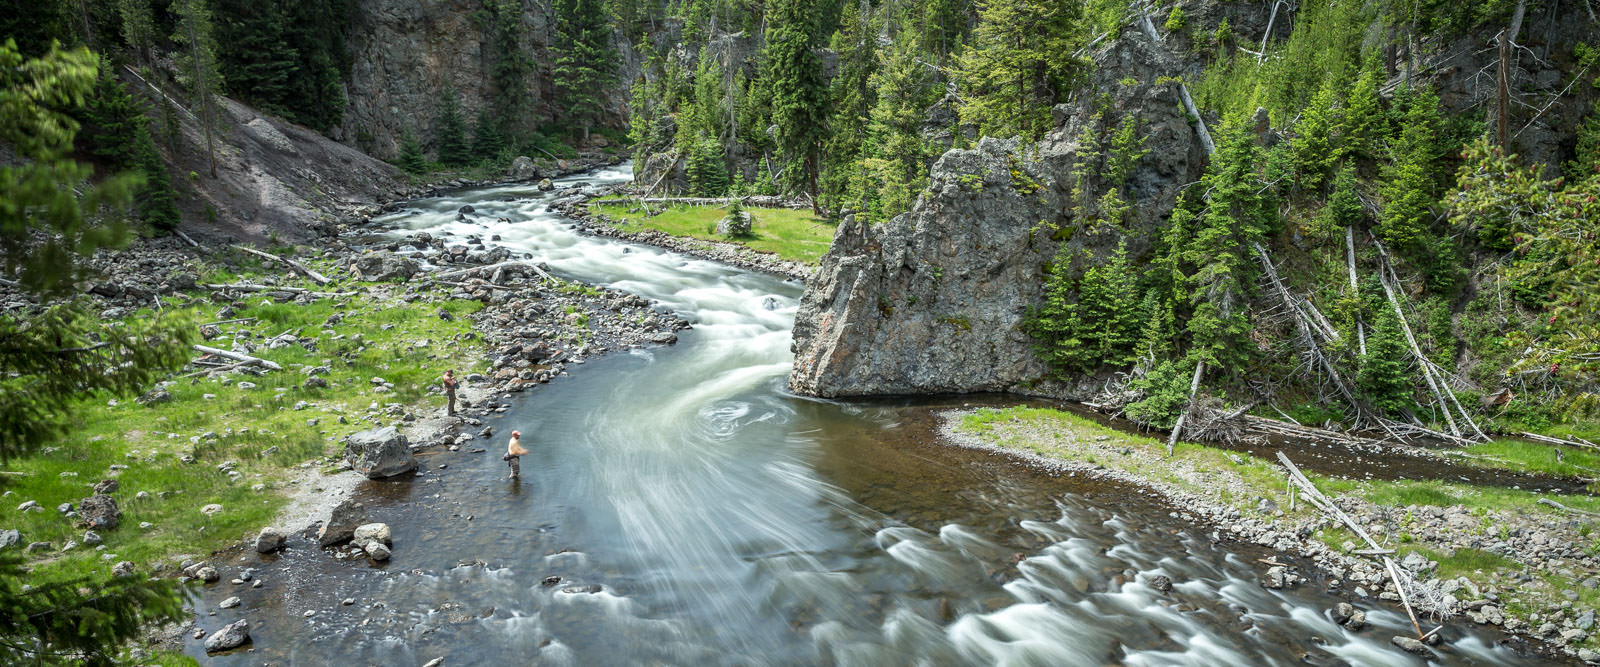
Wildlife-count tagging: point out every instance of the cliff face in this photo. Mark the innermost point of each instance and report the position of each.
(934, 300)
(406, 55)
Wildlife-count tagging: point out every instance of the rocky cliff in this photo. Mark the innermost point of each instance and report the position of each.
(405, 56)
(933, 301)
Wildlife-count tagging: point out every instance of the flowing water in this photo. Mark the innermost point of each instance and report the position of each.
(679, 507)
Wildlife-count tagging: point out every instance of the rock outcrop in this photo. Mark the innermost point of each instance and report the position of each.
(935, 300)
(379, 452)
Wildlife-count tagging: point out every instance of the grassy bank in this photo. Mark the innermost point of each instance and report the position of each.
(794, 235)
(173, 458)
(1438, 520)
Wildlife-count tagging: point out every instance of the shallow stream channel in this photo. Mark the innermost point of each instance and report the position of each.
(680, 507)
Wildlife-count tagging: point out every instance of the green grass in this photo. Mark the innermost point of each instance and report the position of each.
(257, 428)
(794, 235)
(1538, 457)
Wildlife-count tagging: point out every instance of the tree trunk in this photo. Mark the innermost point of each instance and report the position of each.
(1194, 388)
(1502, 105)
(1350, 257)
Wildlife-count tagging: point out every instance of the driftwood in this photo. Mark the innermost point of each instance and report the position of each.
(1194, 388)
(232, 321)
(1350, 258)
(243, 358)
(1551, 503)
(438, 277)
(1327, 505)
(1573, 442)
(762, 201)
(185, 238)
(1183, 89)
(1439, 389)
(297, 266)
(476, 285)
(239, 287)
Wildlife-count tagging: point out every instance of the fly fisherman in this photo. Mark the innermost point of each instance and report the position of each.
(514, 453)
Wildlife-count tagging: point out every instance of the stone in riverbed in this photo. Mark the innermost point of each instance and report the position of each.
(1161, 583)
(1412, 646)
(378, 551)
(377, 453)
(372, 532)
(230, 603)
(341, 524)
(232, 636)
(269, 540)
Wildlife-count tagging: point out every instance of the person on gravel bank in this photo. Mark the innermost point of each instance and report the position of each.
(450, 391)
(514, 452)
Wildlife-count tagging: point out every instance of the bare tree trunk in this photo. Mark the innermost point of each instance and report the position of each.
(1502, 105)
(205, 97)
(1427, 373)
(1350, 258)
(1194, 388)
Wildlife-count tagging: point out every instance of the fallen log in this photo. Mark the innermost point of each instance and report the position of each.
(186, 238)
(1427, 373)
(439, 277)
(273, 288)
(1551, 503)
(297, 266)
(232, 321)
(1327, 505)
(229, 354)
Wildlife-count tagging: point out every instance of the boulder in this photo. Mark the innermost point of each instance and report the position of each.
(545, 185)
(99, 512)
(379, 452)
(369, 533)
(1412, 646)
(106, 487)
(122, 569)
(378, 551)
(158, 395)
(232, 636)
(522, 169)
(342, 523)
(269, 540)
(9, 538)
(382, 266)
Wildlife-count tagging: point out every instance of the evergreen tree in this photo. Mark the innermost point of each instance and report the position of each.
(51, 220)
(851, 98)
(510, 72)
(1237, 216)
(1382, 378)
(1363, 120)
(488, 142)
(411, 157)
(1410, 186)
(585, 63)
(257, 61)
(895, 161)
(1585, 162)
(138, 26)
(1019, 64)
(1111, 308)
(799, 95)
(1314, 153)
(1344, 205)
(708, 173)
(116, 132)
(197, 65)
(450, 132)
(1055, 324)
(156, 200)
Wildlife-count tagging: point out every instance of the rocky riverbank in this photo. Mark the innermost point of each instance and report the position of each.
(576, 206)
(1531, 573)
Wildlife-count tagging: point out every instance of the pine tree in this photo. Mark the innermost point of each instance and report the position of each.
(1314, 154)
(1585, 162)
(1344, 205)
(156, 200)
(1237, 216)
(1410, 186)
(708, 173)
(1363, 120)
(1054, 325)
(851, 97)
(138, 26)
(197, 68)
(1019, 64)
(585, 63)
(411, 158)
(1111, 308)
(450, 132)
(1382, 378)
(799, 95)
(257, 61)
(111, 122)
(895, 160)
(488, 142)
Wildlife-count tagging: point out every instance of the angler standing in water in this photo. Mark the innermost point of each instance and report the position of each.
(514, 452)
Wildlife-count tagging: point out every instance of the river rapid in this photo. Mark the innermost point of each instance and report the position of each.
(679, 507)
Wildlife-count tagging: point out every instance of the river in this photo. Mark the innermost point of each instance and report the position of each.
(680, 507)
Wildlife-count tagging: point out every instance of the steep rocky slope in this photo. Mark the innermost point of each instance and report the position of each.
(935, 299)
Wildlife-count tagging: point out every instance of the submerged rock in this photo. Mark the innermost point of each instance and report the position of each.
(232, 636)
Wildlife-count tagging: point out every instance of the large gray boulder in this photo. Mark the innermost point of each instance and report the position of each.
(383, 266)
(379, 452)
(9, 538)
(342, 523)
(523, 169)
(231, 636)
(935, 300)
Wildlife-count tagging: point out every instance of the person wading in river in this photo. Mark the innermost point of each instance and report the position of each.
(514, 452)
(449, 380)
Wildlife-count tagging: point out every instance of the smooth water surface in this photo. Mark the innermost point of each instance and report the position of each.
(679, 507)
